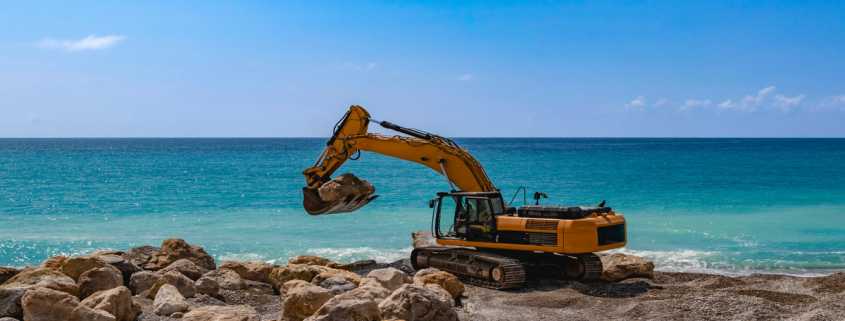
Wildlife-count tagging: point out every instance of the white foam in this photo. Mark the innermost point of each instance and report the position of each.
(349, 254)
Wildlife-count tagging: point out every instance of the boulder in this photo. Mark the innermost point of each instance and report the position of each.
(418, 303)
(445, 280)
(337, 285)
(422, 239)
(304, 272)
(222, 313)
(168, 301)
(311, 260)
(343, 187)
(42, 277)
(330, 273)
(389, 278)
(208, 286)
(174, 249)
(226, 279)
(75, 266)
(54, 263)
(117, 302)
(302, 299)
(348, 307)
(8, 319)
(117, 260)
(369, 290)
(141, 255)
(252, 270)
(357, 266)
(143, 281)
(10, 302)
(99, 279)
(620, 266)
(7, 273)
(43, 304)
(186, 267)
(176, 279)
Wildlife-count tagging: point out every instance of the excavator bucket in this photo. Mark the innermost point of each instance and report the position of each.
(343, 194)
(314, 205)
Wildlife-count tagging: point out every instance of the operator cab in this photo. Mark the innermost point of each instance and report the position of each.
(467, 215)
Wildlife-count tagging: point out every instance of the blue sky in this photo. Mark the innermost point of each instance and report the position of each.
(615, 68)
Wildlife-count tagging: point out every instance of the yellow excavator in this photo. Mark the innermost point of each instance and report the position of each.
(479, 237)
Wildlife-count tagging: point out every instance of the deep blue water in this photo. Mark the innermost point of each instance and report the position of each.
(729, 205)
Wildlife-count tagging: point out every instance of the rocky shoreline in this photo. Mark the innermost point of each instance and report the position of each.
(180, 281)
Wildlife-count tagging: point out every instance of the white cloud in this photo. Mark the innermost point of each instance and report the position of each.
(695, 103)
(636, 103)
(661, 102)
(92, 42)
(749, 102)
(785, 103)
(466, 77)
(727, 104)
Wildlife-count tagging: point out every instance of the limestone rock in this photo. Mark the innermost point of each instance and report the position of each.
(344, 186)
(226, 279)
(348, 307)
(10, 302)
(207, 286)
(54, 263)
(99, 279)
(311, 260)
(174, 249)
(389, 278)
(7, 273)
(141, 255)
(418, 303)
(143, 281)
(357, 266)
(304, 272)
(337, 285)
(117, 302)
(176, 279)
(445, 280)
(186, 267)
(43, 304)
(302, 299)
(329, 273)
(168, 301)
(117, 260)
(75, 266)
(620, 266)
(422, 239)
(372, 291)
(8, 319)
(42, 277)
(222, 313)
(253, 270)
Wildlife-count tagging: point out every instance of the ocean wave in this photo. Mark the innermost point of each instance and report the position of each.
(348, 254)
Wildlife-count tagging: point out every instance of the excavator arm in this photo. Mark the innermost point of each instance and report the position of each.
(351, 136)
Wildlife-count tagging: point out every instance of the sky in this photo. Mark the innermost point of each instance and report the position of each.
(460, 69)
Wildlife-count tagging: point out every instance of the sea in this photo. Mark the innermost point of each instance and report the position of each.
(730, 206)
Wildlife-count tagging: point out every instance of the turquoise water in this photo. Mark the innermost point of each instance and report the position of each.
(718, 205)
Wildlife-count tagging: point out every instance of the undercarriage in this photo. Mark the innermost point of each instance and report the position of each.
(498, 269)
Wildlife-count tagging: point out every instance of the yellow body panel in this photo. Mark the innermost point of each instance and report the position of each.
(573, 236)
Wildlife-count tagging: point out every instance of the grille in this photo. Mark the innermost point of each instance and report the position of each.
(548, 239)
(541, 225)
(611, 234)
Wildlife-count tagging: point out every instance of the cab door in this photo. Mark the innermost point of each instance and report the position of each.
(480, 219)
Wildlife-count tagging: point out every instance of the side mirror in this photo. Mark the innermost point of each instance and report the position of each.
(432, 203)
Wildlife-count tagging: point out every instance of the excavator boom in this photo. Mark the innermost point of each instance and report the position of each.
(351, 136)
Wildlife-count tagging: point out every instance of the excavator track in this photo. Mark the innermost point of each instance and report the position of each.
(592, 266)
(478, 268)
